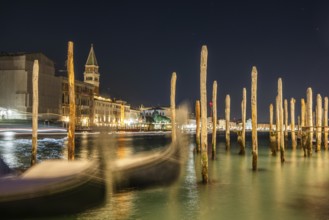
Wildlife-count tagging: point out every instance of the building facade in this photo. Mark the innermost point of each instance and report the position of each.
(84, 101)
(114, 113)
(91, 109)
(16, 86)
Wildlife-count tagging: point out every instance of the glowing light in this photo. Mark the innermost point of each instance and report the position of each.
(8, 134)
(66, 119)
(84, 121)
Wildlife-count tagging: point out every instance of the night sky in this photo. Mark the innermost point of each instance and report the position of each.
(139, 45)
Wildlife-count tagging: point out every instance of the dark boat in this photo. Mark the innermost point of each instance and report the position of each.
(60, 187)
(152, 169)
(52, 187)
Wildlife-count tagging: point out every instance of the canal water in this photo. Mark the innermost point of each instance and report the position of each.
(297, 189)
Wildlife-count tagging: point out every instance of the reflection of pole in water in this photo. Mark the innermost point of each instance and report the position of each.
(35, 83)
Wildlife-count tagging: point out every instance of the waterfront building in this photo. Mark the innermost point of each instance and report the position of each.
(106, 111)
(16, 86)
(156, 118)
(102, 111)
(84, 100)
(91, 109)
(149, 111)
(114, 113)
(221, 124)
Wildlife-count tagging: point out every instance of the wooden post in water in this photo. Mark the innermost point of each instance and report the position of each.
(309, 121)
(227, 120)
(292, 123)
(254, 118)
(303, 137)
(281, 120)
(173, 107)
(243, 114)
(271, 117)
(197, 121)
(272, 133)
(318, 122)
(286, 120)
(203, 94)
(214, 118)
(298, 129)
(277, 121)
(71, 131)
(325, 123)
(35, 88)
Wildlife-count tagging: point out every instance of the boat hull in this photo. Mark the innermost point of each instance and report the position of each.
(34, 195)
(159, 169)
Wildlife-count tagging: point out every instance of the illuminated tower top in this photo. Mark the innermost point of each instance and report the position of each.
(91, 74)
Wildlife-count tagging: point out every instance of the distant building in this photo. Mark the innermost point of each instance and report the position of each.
(105, 111)
(102, 111)
(113, 113)
(16, 86)
(221, 124)
(91, 74)
(149, 111)
(91, 109)
(249, 124)
(156, 118)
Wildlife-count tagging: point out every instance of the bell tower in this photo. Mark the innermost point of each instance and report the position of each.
(91, 74)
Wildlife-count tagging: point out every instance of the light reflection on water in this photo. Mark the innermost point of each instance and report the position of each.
(296, 189)
(16, 152)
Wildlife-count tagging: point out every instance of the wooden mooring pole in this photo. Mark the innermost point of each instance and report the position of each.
(254, 118)
(214, 119)
(35, 106)
(227, 120)
(173, 107)
(71, 131)
(203, 96)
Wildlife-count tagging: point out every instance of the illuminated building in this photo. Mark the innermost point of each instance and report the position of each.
(112, 113)
(156, 118)
(91, 74)
(105, 111)
(16, 86)
(91, 109)
(83, 100)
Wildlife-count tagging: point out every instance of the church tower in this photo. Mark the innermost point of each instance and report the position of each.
(91, 74)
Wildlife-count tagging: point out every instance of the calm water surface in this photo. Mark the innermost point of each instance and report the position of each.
(298, 189)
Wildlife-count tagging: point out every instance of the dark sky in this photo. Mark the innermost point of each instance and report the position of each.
(139, 45)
